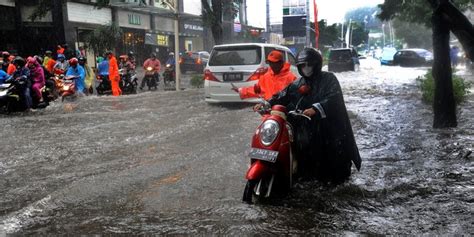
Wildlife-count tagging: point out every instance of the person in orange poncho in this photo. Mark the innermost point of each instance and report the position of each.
(273, 81)
(114, 75)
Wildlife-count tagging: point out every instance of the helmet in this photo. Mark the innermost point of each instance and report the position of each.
(123, 57)
(81, 60)
(19, 61)
(130, 54)
(73, 61)
(5, 54)
(48, 52)
(61, 56)
(171, 54)
(153, 55)
(39, 59)
(31, 61)
(310, 57)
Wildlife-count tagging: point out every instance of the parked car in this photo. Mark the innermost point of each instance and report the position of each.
(343, 59)
(413, 58)
(241, 65)
(193, 61)
(387, 56)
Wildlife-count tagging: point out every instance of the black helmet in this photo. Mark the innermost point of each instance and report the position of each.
(81, 60)
(130, 54)
(311, 57)
(153, 55)
(19, 62)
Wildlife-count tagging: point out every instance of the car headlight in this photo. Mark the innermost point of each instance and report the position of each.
(269, 132)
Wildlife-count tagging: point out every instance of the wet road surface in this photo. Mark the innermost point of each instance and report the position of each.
(168, 163)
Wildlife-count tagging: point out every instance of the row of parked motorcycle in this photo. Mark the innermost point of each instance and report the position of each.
(60, 86)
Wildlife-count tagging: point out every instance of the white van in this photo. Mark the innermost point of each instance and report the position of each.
(238, 64)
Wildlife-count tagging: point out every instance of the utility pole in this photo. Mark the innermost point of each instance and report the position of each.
(308, 40)
(176, 45)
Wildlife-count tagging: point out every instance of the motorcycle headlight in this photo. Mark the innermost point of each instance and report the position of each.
(65, 88)
(149, 68)
(269, 132)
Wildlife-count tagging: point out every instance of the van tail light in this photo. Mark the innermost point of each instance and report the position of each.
(198, 61)
(209, 76)
(258, 73)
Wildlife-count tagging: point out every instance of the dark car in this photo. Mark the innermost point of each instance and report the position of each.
(343, 59)
(194, 61)
(413, 58)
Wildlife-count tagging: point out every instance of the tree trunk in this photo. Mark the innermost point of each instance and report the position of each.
(444, 105)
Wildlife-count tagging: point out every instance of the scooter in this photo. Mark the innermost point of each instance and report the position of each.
(128, 82)
(69, 88)
(273, 161)
(169, 75)
(151, 78)
(104, 86)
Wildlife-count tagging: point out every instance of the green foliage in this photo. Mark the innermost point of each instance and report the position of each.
(197, 81)
(427, 87)
(416, 11)
(103, 38)
(414, 34)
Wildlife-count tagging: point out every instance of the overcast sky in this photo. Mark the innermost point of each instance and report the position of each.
(331, 10)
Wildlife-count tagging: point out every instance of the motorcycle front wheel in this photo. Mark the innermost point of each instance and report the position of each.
(249, 192)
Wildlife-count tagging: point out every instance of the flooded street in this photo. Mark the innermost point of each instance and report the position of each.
(169, 163)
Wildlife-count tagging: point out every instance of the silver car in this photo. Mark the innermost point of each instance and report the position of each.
(240, 65)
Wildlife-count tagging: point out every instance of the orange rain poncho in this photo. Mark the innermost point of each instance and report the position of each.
(270, 83)
(114, 76)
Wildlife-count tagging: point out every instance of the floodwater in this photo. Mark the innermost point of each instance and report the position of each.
(168, 163)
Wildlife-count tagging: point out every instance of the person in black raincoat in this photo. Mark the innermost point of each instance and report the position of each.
(325, 144)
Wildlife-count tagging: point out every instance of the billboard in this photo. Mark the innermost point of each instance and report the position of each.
(294, 26)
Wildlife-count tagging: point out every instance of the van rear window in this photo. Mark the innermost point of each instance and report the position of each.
(340, 55)
(247, 55)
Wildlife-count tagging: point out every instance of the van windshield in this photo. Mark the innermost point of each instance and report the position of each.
(243, 55)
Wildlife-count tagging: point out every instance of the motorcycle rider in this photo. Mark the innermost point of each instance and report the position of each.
(155, 64)
(7, 64)
(22, 73)
(36, 76)
(273, 81)
(77, 71)
(5, 61)
(61, 65)
(48, 55)
(131, 59)
(114, 74)
(170, 59)
(89, 75)
(3, 76)
(329, 148)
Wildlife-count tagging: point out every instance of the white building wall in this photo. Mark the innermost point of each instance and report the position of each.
(192, 7)
(83, 13)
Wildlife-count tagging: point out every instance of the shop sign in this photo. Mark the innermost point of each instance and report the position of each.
(162, 40)
(193, 27)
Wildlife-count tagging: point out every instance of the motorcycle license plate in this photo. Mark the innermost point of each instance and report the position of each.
(262, 154)
(232, 76)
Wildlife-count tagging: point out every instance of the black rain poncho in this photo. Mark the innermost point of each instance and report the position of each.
(326, 144)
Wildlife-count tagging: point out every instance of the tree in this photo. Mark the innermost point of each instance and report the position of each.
(104, 38)
(215, 12)
(415, 35)
(443, 17)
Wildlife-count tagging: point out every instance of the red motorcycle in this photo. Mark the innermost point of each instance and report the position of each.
(68, 87)
(273, 164)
